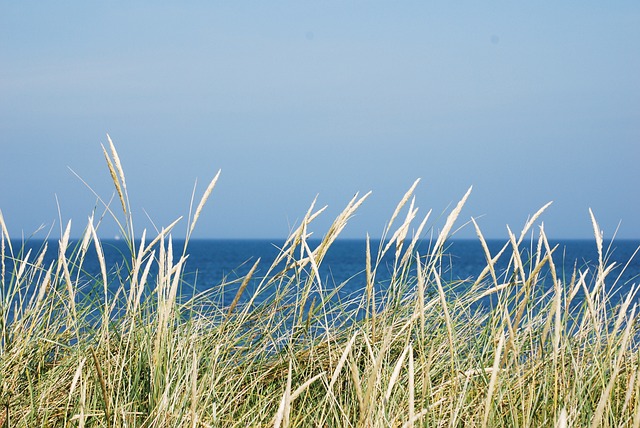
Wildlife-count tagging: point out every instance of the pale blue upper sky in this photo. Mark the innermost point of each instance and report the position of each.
(528, 102)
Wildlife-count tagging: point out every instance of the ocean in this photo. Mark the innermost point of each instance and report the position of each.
(214, 262)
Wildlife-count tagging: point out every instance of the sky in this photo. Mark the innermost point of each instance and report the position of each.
(528, 102)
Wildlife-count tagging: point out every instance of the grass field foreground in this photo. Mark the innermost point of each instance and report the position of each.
(552, 348)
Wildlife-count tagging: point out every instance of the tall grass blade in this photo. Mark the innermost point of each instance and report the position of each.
(493, 381)
(202, 202)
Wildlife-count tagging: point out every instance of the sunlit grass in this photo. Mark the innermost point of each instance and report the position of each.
(523, 347)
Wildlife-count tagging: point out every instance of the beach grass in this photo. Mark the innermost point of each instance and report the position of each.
(528, 346)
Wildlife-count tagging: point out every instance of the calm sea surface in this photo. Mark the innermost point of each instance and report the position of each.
(212, 262)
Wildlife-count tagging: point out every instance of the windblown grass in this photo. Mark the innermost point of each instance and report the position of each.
(519, 348)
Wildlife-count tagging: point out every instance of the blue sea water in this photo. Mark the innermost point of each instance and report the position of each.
(212, 262)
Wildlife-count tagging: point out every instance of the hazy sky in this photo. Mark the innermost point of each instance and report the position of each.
(528, 102)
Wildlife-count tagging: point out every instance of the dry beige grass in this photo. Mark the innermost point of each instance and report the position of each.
(142, 355)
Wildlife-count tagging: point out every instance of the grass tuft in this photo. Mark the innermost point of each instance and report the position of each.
(526, 346)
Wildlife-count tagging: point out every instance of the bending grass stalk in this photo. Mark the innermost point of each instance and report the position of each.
(396, 373)
(203, 201)
(103, 386)
(282, 417)
(411, 385)
(341, 361)
(563, 419)
(194, 389)
(242, 287)
(492, 382)
(366, 412)
(447, 320)
(116, 181)
(605, 397)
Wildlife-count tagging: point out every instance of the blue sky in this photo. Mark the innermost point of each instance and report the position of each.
(529, 103)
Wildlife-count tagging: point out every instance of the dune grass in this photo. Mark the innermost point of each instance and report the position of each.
(547, 348)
